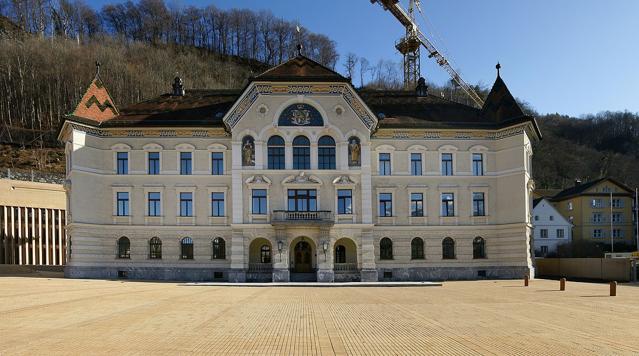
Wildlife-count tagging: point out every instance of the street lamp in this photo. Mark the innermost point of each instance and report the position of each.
(280, 247)
(325, 248)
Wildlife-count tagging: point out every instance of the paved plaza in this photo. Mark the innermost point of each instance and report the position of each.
(61, 316)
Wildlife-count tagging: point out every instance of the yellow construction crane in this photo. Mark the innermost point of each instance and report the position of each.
(410, 43)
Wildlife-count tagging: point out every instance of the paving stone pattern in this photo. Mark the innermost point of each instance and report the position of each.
(61, 316)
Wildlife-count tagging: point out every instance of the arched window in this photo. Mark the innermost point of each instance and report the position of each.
(124, 247)
(448, 249)
(276, 159)
(186, 248)
(479, 247)
(340, 254)
(219, 249)
(155, 248)
(265, 254)
(386, 249)
(248, 151)
(326, 153)
(301, 153)
(417, 249)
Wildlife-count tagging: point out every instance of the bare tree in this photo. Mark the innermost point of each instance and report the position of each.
(349, 64)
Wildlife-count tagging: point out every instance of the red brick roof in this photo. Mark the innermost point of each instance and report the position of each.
(96, 104)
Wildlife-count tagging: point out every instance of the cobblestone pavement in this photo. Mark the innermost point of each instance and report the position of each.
(61, 316)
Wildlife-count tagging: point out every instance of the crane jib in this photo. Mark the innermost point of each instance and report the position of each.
(401, 15)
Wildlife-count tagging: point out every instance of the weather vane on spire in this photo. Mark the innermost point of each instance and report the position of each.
(498, 66)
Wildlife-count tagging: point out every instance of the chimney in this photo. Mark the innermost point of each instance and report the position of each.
(577, 182)
(422, 88)
(178, 87)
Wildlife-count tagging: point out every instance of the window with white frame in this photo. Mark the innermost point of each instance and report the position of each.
(217, 163)
(258, 201)
(560, 233)
(186, 163)
(186, 204)
(122, 203)
(217, 204)
(447, 164)
(153, 160)
(416, 164)
(416, 204)
(597, 203)
(154, 204)
(597, 217)
(385, 204)
(122, 162)
(543, 233)
(597, 233)
(478, 164)
(617, 217)
(617, 233)
(448, 204)
(344, 201)
(617, 203)
(384, 164)
(479, 204)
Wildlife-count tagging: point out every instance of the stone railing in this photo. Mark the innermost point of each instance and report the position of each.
(312, 217)
(345, 267)
(260, 267)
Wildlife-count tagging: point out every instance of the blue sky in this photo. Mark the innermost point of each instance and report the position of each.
(568, 56)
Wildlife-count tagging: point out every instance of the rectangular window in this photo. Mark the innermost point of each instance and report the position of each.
(217, 163)
(479, 206)
(186, 167)
(597, 217)
(617, 203)
(560, 233)
(617, 233)
(416, 204)
(448, 204)
(617, 217)
(597, 203)
(302, 200)
(276, 157)
(543, 233)
(416, 164)
(597, 233)
(186, 204)
(385, 204)
(217, 204)
(384, 164)
(301, 157)
(544, 250)
(154, 203)
(259, 201)
(344, 201)
(447, 164)
(123, 162)
(154, 163)
(478, 164)
(551, 218)
(123, 204)
(326, 157)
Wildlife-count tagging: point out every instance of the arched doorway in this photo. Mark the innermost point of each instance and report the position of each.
(303, 257)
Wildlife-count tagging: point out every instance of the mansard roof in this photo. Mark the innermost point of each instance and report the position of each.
(96, 105)
(301, 69)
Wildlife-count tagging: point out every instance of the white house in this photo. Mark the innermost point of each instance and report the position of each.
(551, 229)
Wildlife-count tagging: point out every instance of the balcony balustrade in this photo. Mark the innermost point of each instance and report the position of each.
(320, 217)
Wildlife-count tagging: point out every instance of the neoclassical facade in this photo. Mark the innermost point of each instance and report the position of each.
(299, 177)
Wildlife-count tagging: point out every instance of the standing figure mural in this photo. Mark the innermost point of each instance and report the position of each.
(354, 152)
(248, 151)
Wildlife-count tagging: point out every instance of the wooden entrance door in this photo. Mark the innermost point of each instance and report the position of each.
(303, 257)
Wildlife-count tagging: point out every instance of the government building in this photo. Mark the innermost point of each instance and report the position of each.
(299, 177)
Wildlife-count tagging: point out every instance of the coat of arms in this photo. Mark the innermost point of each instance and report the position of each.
(300, 116)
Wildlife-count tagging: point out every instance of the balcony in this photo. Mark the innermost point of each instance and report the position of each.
(307, 218)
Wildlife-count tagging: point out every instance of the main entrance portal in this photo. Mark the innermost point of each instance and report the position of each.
(303, 258)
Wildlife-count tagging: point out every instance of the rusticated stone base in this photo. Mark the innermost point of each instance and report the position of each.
(325, 275)
(153, 273)
(369, 275)
(450, 273)
(281, 275)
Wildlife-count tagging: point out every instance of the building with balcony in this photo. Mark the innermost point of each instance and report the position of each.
(299, 176)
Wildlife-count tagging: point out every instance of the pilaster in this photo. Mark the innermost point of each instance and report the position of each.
(325, 258)
(369, 268)
(238, 271)
(281, 272)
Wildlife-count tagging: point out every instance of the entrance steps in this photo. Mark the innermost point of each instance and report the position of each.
(303, 277)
